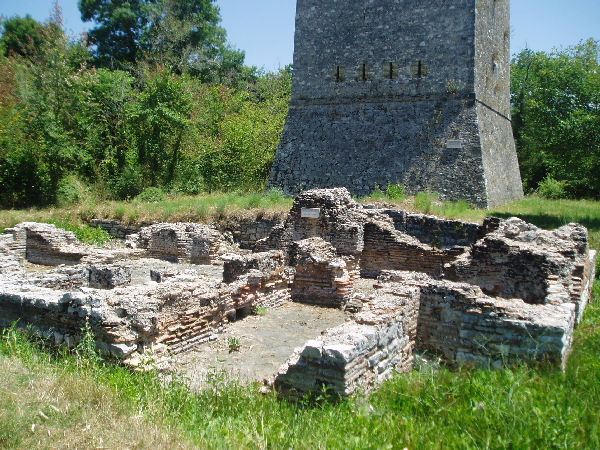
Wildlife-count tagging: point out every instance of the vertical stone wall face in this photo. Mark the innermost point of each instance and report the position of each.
(466, 327)
(322, 278)
(390, 92)
(360, 353)
(385, 249)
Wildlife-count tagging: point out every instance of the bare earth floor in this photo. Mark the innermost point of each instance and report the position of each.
(266, 343)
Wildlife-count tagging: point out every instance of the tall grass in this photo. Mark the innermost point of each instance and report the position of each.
(517, 407)
(200, 208)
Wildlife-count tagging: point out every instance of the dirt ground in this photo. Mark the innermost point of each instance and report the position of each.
(266, 342)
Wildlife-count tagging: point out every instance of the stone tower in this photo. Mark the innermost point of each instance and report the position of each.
(401, 91)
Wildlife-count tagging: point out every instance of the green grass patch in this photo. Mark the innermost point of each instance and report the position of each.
(518, 407)
(272, 204)
(85, 233)
(424, 201)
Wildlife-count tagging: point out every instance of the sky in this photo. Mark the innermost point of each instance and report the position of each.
(264, 29)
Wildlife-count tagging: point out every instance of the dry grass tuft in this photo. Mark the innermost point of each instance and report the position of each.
(45, 407)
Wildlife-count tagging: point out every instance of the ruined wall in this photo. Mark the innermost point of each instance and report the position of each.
(358, 354)
(245, 233)
(385, 249)
(180, 242)
(321, 277)
(128, 322)
(42, 243)
(468, 327)
(389, 92)
(435, 231)
(115, 228)
(520, 260)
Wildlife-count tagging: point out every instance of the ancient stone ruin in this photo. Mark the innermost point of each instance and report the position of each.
(415, 92)
(397, 285)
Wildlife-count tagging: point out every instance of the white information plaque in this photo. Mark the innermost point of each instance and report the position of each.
(454, 144)
(310, 213)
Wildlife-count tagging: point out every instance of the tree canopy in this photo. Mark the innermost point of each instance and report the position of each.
(556, 117)
(21, 36)
(183, 35)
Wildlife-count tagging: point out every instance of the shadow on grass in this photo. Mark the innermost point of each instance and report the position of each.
(549, 221)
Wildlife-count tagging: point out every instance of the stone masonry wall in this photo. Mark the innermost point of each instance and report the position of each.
(358, 354)
(245, 233)
(468, 327)
(390, 92)
(185, 242)
(129, 322)
(435, 231)
(42, 243)
(386, 249)
(321, 278)
(519, 260)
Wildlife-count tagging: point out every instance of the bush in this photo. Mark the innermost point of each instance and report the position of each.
(127, 185)
(552, 189)
(71, 190)
(396, 192)
(188, 177)
(151, 195)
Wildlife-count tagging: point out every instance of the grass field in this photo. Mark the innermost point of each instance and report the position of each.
(74, 400)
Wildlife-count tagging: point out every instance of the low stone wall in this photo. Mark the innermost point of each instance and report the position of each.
(180, 242)
(42, 243)
(520, 260)
(435, 231)
(386, 249)
(235, 266)
(115, 228)
(358, 354)
(467, 327)
(165, 318)
(246, 233)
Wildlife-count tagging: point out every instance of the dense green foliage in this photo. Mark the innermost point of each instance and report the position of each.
(556, 120)
(20, 36)
(157, 98)
(70, 129)
(182, 35)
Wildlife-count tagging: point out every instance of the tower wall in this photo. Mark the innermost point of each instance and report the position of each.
(386, 91)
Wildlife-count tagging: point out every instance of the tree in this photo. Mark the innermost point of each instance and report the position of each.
(556, 117)
(121, 25)
(159, 120)
(21, 36)
(182, 35)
